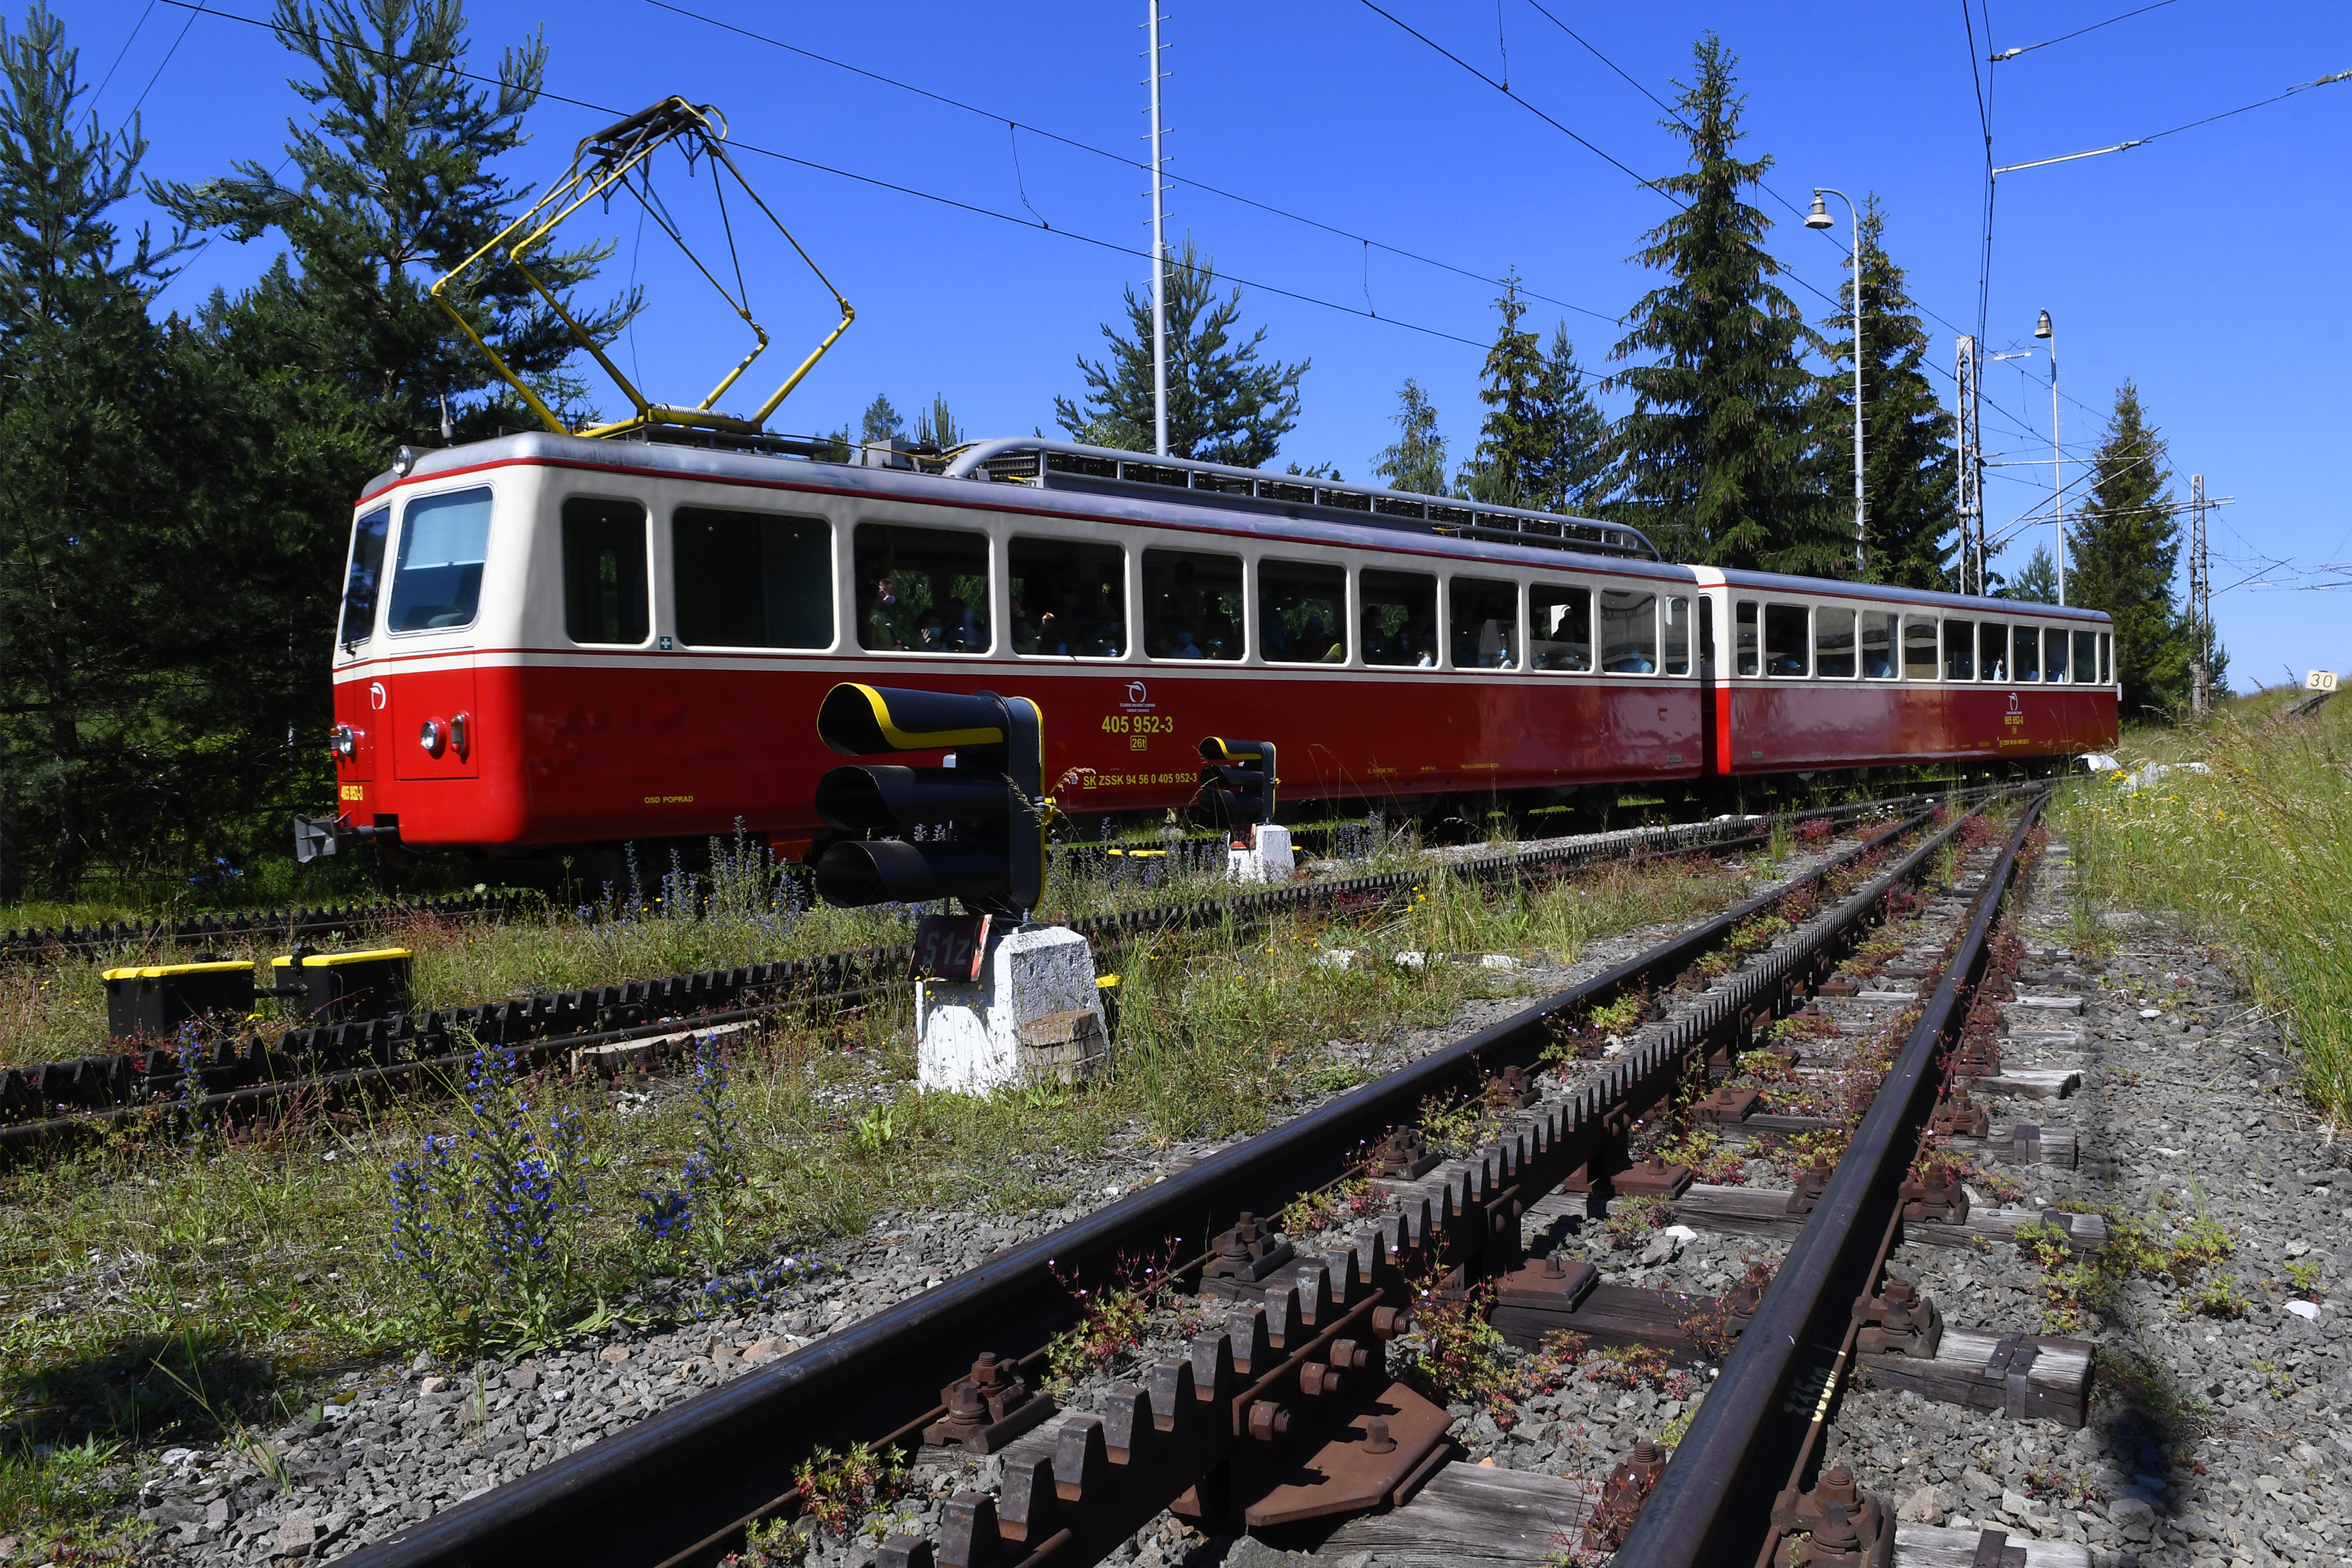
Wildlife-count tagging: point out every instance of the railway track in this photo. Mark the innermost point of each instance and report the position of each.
(56, 1103)
(1282, 1409)
(295, 923)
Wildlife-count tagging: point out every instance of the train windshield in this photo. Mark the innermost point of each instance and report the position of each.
(443, 539)
(365, 576)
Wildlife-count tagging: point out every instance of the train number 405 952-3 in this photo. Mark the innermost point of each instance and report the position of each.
(1139, 724)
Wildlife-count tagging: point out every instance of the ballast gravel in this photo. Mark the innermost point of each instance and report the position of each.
(402, 1443)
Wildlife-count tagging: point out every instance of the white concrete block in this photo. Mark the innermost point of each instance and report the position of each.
(1268, 858)
(1034, 1016)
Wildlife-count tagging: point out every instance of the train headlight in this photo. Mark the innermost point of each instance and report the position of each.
(343, 741)
(403, 460)
(434, 738)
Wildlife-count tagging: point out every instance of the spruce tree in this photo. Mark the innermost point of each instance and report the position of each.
(1224, 405)
(1580, 473)
(1506, 468)
(1910, 468)
(1721, 462)
(1544, 442)
(2038, 583)
(143, 616)
(1416, 459)
(391, 186)
(2126, 547)
(881, 420)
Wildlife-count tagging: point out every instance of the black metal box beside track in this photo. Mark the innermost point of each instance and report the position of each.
(346, 987)
(154, 999)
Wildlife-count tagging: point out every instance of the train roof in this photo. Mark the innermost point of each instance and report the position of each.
(1128, 487)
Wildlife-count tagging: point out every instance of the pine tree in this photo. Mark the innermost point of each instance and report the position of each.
(1722, 465)
(134, 648)
(2125, 546)
(2038, 583)
(1581, 472)
(1544, 442)
(1416, 461)
(881, 420)
(393, 187)
(1224, 405)
(1505, 469)
(1910, 468)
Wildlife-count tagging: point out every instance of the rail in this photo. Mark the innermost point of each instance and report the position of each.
(676, 1487)
(63, 1100)
(1714, 1501)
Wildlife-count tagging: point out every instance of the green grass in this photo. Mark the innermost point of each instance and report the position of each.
(152, 1293)
(2255, 857)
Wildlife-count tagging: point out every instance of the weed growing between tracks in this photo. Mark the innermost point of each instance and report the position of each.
(2256, 855)
(259, 1266)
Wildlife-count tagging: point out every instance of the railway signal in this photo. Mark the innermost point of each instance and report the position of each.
(1237, 782)
(1237, 785)
(994, 857)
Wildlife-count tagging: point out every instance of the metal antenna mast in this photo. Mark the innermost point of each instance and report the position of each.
(1158, 256)
(2201, 602)
(1971, 476)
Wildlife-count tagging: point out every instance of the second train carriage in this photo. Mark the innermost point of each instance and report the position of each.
(546, 640)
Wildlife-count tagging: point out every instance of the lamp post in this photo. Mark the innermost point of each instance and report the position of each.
(1819, 218)
(2057, 484)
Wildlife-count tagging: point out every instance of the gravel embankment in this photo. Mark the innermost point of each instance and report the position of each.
(402, 1443)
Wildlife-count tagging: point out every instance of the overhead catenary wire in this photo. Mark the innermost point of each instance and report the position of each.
(1116, 157)
(1035, 227)
(2063, 38)
(129, 39)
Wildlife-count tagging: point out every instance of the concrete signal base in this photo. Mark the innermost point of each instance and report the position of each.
(1266, 860)
(1034, 1016)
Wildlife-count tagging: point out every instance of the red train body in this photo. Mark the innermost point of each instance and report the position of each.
(553, 641)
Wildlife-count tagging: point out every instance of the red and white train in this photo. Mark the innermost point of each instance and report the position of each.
(550, 643)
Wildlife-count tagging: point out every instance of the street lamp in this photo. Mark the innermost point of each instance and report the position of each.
(1819, 218)
(2043, 329)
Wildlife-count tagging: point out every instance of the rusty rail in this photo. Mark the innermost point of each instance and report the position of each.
(56, 1102)
(1715, 1502)
(678, 1484)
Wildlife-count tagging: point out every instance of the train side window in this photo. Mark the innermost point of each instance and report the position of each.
(1677, 622)
(2106, 658)
(1302, 612)
(1784, 640)
(1959, 649)
(1629, 632)
(1068, 598)
(1744, 621)
(365, 577)
(2025, 657)
(437, 582)
(1399, 618)
(2086, 657)
(1562, 621)
(1485, 623)
(752, 579)
(2054, 653)
(605, 590)
(1919, 647)
(1833, 643)
(1192, 605)
(1993, 651)
(921, 591)
(1877, 645)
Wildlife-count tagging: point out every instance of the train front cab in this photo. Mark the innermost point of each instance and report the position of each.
(425, 732)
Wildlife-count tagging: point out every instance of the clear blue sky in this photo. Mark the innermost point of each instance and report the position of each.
(2207, 266)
